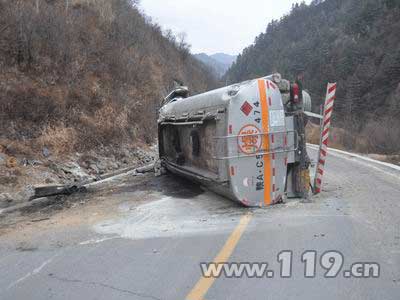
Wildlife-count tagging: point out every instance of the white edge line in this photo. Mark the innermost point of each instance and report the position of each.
(97, 241)
(33, 272)
(389, 165)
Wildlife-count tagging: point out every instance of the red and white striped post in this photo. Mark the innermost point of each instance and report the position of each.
(325, 126)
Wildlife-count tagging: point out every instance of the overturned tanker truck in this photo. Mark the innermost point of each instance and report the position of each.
(245, 141)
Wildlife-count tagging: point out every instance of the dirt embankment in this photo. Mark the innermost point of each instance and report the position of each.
(20, 174)
(80, 85)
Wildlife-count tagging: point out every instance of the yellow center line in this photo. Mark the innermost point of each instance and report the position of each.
(204, 284)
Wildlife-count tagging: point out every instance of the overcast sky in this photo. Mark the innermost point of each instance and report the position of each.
(217, 25)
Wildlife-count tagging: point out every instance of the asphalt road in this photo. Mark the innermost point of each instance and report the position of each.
(153, 236)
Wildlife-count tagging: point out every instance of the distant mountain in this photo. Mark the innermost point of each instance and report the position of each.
(225, 59)
(219, 62)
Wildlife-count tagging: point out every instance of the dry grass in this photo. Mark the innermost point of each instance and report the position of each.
(312, 133)
(337, 136)
(82, 74)
(60, 140)
(108, 125)
(15, 147)
(379, 139)
(380, 136)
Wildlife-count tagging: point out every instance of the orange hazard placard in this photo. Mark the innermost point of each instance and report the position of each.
(251, 142)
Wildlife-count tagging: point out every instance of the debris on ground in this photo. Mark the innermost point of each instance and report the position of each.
(25, 178)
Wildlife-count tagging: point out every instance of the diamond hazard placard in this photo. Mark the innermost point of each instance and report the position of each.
(246, 108)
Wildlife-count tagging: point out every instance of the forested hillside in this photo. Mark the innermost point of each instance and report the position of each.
(79, 74)
(353, 42)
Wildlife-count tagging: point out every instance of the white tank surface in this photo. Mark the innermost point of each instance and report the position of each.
(237, 140)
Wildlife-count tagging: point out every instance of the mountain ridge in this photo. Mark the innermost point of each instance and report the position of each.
(218, 62)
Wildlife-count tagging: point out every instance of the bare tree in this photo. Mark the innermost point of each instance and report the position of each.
(182, 44)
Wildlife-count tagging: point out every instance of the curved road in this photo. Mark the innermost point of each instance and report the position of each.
(146, 240)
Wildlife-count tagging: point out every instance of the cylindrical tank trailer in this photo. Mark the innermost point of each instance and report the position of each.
(245, 141)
